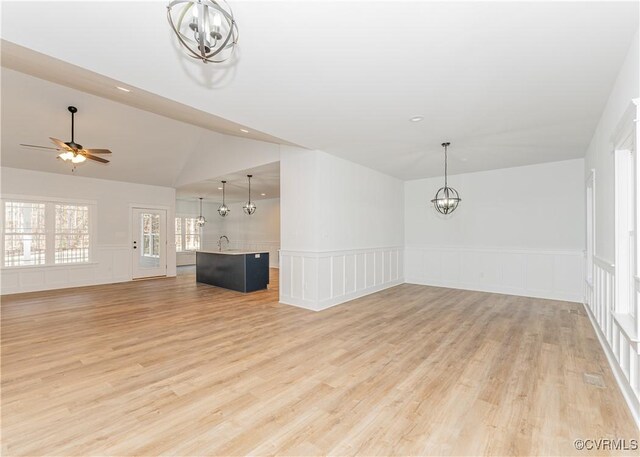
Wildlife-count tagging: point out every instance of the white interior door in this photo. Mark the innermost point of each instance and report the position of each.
(149, 246)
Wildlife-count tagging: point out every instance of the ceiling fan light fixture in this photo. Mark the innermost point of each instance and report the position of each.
(70, 150)
(447, 198)
(67, 155)
(205, 29)
(249, 207)
(223, 210)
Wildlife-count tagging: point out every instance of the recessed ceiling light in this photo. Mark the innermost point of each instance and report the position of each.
(123, 89)
(416, 118)
(219, 188)
(264, 195)
(244, 130)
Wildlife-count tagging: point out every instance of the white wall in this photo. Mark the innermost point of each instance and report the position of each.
(342, 230)
(112, 250)
(599, 155)
(517, 230)
(620, 344)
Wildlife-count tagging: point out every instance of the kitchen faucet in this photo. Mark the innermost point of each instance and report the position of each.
(220, 242)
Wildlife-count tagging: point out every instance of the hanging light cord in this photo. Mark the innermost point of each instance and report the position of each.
(223, 186)
(249, 189)
(445, 166)
(72, 127)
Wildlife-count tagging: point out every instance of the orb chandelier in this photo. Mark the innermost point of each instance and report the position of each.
(249, 207)
(447, 198)
(200, 221)
(223, 210)
(206, 29)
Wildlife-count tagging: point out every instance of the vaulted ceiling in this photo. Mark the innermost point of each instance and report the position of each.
(508, 83)
(147, 148)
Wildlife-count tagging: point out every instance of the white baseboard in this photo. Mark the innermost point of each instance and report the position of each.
(547, 295)
(330, 302)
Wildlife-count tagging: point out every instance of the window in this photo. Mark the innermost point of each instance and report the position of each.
(188, 234)
(626, 284)
(45, 233)
(24, 234)
(178, 234)
(624, 211)
(72, 233)
(151, 235)
(191, 234)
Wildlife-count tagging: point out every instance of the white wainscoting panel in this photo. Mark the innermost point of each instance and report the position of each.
(319, 280)
(110, 264)
(617, 333)
(272, 247)
(532, 273)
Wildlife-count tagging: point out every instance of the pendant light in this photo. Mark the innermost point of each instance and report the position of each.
(447, 198)
(249, 207)
(200, 221)
(223, 210)
(205, 29)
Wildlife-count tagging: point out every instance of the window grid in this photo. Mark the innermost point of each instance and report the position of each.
(45, 233)
(24, 234)
(178, 234)
(192, 240)
(150, 235)
(71, 233)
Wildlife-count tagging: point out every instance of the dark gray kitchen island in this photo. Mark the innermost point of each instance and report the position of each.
(242, 271)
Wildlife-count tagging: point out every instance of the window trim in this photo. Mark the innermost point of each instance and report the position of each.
(625, 141)
(50, 203)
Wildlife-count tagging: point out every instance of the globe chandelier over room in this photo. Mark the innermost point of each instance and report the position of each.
(447, 198)
(205, 29)
(223, 210)
(249, 207)
(200, 221)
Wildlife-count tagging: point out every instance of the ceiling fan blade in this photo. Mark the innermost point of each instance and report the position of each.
(38, 147)
(60, 144)
(96, 158)
(97, 151)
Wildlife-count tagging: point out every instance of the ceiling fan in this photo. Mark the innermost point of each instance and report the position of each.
(71, 150)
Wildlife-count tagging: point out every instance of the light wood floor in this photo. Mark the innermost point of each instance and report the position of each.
(174, 368)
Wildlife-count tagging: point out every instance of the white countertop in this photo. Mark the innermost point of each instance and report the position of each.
(234, 252)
